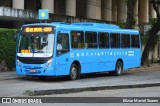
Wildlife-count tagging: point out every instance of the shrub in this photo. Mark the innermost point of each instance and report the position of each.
(8, 46)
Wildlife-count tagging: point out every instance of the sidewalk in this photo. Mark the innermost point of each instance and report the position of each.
(132, 78)
(8, 75)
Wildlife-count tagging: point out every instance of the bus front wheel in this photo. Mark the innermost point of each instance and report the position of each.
(73, 72)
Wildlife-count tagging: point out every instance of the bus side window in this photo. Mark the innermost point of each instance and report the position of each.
(62, 44)
(125, 43)
(77, 39)
(103, 40)
(114, 40)
(135, 41)
(91, 40)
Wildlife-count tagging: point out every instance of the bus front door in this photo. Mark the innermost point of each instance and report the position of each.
(62, 54)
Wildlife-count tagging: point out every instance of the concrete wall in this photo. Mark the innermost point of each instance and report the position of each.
(17, 13)
(109, 10)
(28, 6)
(59, 6)
(81, 8)
(20, 17)
(70, 19)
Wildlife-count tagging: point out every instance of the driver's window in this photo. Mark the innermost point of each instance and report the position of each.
(62, 44)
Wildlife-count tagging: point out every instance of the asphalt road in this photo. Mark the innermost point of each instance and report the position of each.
(122, 93)
(17, 87)
(133, 92)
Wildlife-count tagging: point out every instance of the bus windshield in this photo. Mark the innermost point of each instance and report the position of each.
(36, 43)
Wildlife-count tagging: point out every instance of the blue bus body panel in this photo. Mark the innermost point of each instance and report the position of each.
(105, 60)
(40, 70)
(91, 60)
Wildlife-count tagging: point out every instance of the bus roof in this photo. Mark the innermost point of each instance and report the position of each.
(87, 26)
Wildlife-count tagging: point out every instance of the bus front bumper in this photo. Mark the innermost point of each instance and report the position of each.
(34, 70)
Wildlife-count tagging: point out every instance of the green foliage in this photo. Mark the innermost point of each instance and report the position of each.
(8, 46)
(121, 24)
(152, 21)
(29, 93)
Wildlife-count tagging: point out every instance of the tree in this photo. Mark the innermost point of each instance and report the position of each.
(152, 34)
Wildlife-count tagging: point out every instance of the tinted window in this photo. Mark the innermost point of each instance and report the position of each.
(103, 40)
(91, 40)
(114, 40)
(135, 41)
(77, 39)
(125, 43)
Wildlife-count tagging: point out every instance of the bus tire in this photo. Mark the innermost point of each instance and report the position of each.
(118, 69)
(73, 72)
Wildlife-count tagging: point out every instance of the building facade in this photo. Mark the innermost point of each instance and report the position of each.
(14, 13)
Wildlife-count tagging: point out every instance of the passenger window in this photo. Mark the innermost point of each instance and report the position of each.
(125, 43)
(135, 41)
(77, 39)
(91, 40)
(62, 44)
(114, 40)
(103, 40)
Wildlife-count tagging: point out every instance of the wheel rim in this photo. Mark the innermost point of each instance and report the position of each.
(73, 73)
(119, 68)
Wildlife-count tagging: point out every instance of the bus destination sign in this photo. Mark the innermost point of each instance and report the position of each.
(37, 29)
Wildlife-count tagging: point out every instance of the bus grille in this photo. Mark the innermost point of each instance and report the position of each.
(33, 60)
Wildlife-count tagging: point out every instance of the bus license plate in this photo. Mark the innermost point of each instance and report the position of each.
(32, 71)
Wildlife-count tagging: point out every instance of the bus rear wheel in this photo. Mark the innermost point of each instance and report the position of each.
(118, 69)
(73, 72)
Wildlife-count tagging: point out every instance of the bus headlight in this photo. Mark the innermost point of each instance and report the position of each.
(49, 62)
(18, 63)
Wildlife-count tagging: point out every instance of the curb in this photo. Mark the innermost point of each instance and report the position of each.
(10, 78)
(75, 90)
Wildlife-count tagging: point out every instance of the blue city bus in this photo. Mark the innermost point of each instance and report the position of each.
(58, 49)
